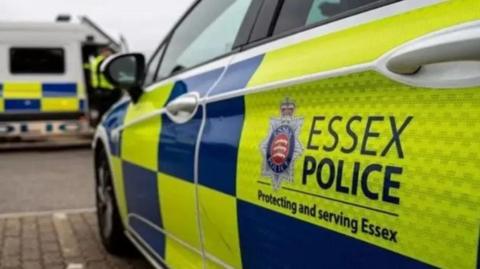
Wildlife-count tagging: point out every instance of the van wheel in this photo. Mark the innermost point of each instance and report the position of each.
(109, 222)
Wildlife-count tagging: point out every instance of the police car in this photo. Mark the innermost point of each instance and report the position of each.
(298, 134)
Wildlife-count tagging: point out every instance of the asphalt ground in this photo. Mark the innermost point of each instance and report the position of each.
(46, 180)
(47, 217)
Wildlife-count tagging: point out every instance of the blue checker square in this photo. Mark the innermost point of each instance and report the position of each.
(272, 240)
(59, 89)
(141, 192)
(237, 76)
(151, 236)
(22, 105)
(178, 143)
(114, 120)
(219, 145)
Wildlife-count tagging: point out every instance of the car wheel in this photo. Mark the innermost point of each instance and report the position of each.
(109, 222)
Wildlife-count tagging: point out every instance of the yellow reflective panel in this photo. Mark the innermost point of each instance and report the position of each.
(220, 227)
(2, 105)
(177, 204)
(213, 265)
(140, 141)
(119, 186)
(399, 162)
(362, 44)
(179, 217)
(177, 256)
(59, 104)
(22, 90)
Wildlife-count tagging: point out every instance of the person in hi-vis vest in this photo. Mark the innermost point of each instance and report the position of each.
(98, 80)
(105, 95)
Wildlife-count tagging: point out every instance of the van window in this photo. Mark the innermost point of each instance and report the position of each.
(301, 13)
(208, 32)
(37, 61)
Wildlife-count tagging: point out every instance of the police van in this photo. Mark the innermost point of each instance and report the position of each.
(298, 134)
(44, 89)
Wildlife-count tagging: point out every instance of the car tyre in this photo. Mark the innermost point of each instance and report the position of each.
(110, 225)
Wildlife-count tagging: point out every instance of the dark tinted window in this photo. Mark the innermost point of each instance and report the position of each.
(37, 61)
(299, 13)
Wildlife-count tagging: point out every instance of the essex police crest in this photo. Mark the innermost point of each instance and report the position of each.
(282, 146)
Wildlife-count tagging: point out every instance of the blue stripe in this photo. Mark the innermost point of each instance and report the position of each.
(176, 152)
(199, 83)
(59, 89)
(141, 192)
(113, 120)
(219, 145)
(237, 76)
(23, 105)
(223, 127)
(272, 240)
(154, 238)
(142, 199)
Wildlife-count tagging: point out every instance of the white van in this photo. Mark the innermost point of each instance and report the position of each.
(44, 88)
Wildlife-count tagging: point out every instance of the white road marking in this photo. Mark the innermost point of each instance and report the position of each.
(75, 266)
(68, 242)
(46, 213)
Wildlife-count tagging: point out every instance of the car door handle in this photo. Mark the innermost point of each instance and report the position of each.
(183, 108)
(462, 44)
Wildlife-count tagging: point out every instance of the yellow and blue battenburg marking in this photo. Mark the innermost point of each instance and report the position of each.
(386, 176)
(32, 97)
(150, 186)
(1, 98)
(175, 173)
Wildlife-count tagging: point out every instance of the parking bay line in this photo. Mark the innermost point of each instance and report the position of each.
(46, 213)
(66, 238)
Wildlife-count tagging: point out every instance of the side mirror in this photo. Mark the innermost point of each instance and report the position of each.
(126, 71)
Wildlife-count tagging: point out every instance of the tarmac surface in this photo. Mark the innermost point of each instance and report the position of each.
(45, 180)
(47, 216)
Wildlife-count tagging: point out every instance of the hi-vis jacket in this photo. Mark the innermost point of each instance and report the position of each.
(98, 79)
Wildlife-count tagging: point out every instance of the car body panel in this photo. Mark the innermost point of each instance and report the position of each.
(426, 164)
(148, 183)
(425, 206)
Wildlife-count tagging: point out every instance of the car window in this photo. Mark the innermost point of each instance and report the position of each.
(301, 13)
(209, 31)
(37, 61)
(152, 66)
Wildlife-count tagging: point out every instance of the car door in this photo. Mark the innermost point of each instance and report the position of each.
(346, 136)
(158, 138)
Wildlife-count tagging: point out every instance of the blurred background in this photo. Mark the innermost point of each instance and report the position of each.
(51, 98)
(144, 23)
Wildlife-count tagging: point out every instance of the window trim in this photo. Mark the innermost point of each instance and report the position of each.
(166, 41)
(268, 12)
(236, 48)
(157, 67)
(64, 61)
(246, 28)
(271, 24)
